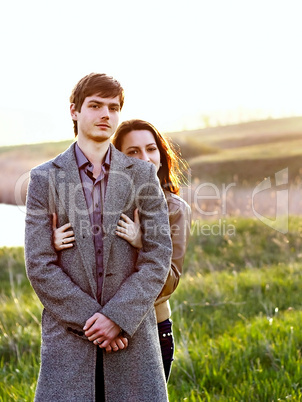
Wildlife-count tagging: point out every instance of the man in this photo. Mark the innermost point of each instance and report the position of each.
(101, 290)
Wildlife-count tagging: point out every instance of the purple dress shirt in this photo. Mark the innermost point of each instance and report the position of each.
(94, 191)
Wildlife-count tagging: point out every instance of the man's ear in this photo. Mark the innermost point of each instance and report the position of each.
(73, 112)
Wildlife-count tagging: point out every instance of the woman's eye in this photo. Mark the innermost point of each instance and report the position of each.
(152, 149)
(134, 152)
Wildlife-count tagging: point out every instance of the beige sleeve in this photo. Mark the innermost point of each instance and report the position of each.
(180, 222)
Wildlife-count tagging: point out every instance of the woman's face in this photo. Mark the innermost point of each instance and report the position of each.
(141, 144)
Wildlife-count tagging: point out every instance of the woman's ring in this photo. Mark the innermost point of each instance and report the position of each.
(62, 241)
(115, 347)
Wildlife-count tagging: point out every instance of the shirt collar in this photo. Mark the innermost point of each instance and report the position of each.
(83, 161)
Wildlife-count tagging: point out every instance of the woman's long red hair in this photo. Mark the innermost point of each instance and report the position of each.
(169, 173)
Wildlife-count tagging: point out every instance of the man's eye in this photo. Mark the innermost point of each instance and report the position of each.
(95, 106)
(115, 108)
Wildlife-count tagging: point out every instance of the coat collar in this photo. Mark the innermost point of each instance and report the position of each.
(120, 160)
(119, 193)
(72, 199)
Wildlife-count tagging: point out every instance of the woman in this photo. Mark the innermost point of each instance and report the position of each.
(140, 139)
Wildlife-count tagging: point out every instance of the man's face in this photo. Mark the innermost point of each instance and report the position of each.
(98, 118)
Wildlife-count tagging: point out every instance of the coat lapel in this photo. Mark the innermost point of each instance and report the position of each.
(119, 194)
(72, 199)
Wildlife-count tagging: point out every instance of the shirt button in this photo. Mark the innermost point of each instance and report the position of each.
(96, 230)
(101, 274)
(99, 251)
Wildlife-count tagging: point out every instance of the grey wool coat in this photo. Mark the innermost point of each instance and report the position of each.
(66, 283)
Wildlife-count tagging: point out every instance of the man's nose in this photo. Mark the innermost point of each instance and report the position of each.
(105, 112)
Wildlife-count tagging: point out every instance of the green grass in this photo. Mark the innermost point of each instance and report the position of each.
(19, 329)
(238, 336)
(237, 319)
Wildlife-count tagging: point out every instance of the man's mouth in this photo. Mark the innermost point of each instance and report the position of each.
(103, 125)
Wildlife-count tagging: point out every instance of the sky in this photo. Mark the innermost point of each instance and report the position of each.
(183, 64)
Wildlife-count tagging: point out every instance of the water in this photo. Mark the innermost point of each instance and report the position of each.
(12, 220)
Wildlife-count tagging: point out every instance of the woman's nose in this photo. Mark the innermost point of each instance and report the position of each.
(145, 156)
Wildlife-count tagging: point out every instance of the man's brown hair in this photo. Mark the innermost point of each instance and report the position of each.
(95, 84)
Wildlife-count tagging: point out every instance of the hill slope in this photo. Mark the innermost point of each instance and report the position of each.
(244, 153)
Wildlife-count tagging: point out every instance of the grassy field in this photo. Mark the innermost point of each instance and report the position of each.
(237, 318)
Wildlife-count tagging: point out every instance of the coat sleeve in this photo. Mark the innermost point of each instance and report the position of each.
(180, 222)
(134, 299)
(60, 296)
